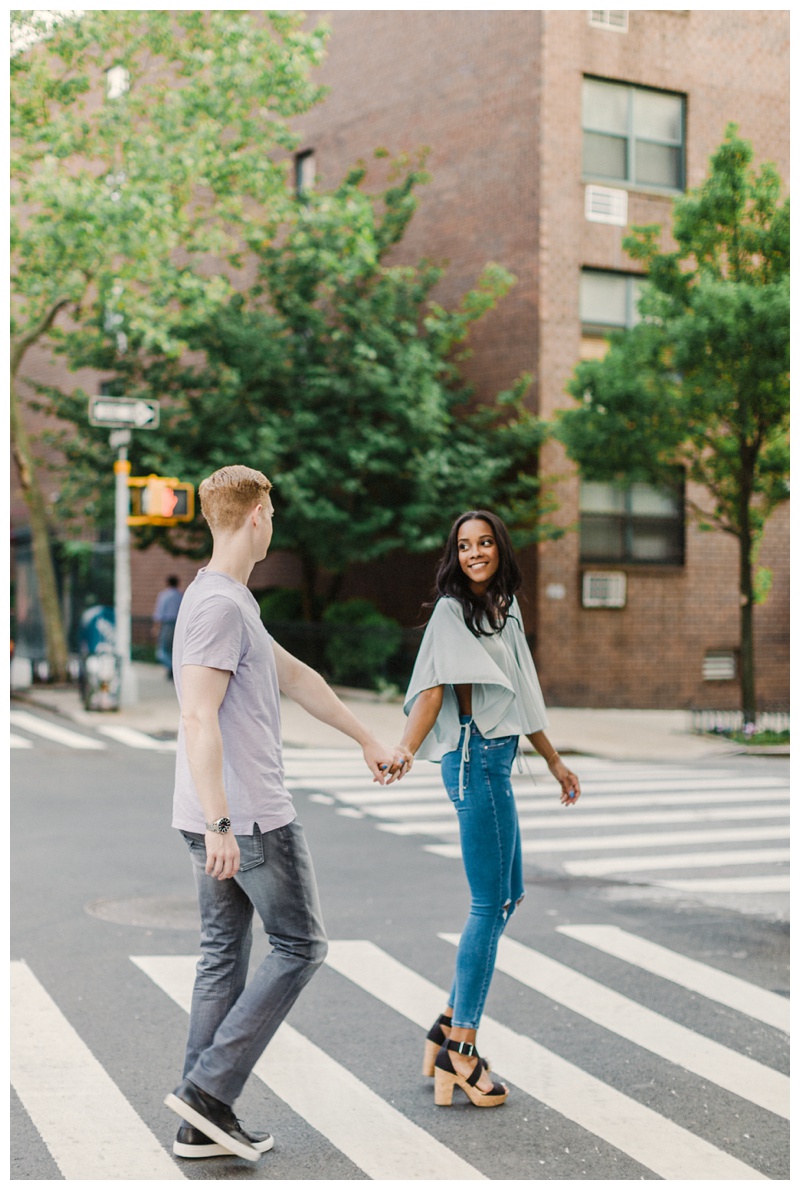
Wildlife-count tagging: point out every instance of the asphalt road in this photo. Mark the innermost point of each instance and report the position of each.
(617, 1071)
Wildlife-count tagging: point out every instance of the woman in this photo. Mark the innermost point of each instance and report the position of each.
(473, 691)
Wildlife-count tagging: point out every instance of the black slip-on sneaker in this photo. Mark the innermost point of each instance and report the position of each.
(213, 1118)
(191, 1142)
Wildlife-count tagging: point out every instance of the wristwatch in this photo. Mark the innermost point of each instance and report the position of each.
(220, 826)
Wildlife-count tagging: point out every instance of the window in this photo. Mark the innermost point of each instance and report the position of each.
(608, 301)
(305, 171)
(638, 523)
(609, 18)
(633, 135)
(118, 81)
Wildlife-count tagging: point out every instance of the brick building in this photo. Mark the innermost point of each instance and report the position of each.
(549, 133)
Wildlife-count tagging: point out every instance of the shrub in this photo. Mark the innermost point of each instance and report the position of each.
(361, 641)
(280, 604)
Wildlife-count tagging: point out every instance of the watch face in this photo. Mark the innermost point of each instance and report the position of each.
(223, 825)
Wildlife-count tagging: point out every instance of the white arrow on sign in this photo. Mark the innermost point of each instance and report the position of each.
(119, 411)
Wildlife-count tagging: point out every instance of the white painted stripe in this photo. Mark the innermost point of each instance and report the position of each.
(680, 859)
(16, 741)
(51, 731)
(375, 1136)
(137, 739)
(640, 817)
(84, 1119)
(753, 834)
(349, 812)
(732, 884)
(322, 799)
(649, 1030)
(688, 973)
(663, 1147)
(431, 800)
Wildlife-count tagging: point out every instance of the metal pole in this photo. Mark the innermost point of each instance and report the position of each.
(122, 569)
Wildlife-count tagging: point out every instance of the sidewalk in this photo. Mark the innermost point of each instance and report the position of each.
(611, 734)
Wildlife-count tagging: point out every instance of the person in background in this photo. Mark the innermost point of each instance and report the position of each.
(472, 693)
(165, 616)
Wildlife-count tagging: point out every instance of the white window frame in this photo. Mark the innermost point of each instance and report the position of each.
(631, 138)
(603, 18)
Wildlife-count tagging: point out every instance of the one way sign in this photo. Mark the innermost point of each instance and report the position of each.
(124, 413)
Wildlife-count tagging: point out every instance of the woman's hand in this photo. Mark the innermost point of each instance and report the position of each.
(402, 761)
(570, 785)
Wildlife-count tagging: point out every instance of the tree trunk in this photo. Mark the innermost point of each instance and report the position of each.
(57, 654)
(747, 677)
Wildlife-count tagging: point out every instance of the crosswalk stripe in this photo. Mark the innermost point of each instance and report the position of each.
(731, 884)
(590, 816)
(681, 859)
(557, 821)
(611, 842)
(51, 731)
(425, 800)
(375, 1136)
(84, 1119)
(648, 1029)
(353, 778)
(136, 739)
(17, 741)
(656, 839)
(691, 974)
(663, 1147)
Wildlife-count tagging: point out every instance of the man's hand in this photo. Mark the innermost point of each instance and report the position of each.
(222, 855)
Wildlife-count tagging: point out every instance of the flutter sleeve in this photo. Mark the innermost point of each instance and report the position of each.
(450, 655)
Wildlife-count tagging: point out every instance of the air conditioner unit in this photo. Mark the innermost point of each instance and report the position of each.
(719, 665)
(604, 588)
(605, 204)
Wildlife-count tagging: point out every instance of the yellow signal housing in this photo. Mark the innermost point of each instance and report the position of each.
(160, 500)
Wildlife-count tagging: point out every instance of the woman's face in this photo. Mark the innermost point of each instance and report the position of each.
(478, 554)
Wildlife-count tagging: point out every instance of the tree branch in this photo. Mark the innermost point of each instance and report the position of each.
(22, 344)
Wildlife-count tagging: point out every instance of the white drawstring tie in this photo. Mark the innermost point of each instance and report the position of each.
(464, 759)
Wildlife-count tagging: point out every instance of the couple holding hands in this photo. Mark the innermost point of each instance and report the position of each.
(472, 693)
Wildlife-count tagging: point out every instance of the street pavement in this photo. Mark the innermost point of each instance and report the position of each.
(639, 1010)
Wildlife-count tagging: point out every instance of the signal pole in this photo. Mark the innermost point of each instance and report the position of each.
(128, 694)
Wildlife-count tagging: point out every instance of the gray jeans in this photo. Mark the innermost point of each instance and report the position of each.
(231, 1024)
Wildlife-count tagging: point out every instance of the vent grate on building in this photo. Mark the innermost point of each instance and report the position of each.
(719, 665)
(605, 204)
(604, 588)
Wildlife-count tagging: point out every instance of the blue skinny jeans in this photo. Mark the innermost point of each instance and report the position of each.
(477, 777)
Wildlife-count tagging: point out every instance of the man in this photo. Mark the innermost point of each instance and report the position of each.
(164, 616)
(248, 850)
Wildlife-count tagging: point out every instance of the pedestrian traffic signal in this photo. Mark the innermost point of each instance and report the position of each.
(160, 500)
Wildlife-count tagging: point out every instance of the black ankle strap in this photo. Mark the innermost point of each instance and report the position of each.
(462, 1047)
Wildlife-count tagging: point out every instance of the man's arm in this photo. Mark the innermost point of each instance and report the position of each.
(203, 691)
(309, 690)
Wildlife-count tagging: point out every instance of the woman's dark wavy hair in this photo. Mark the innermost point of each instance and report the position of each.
(493, 606)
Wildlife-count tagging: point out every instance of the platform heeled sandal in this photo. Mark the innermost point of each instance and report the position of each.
(434, 1040)
(446, 1077)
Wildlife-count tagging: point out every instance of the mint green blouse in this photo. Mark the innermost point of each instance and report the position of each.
(506, 695)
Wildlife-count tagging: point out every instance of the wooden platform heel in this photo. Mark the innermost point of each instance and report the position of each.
(446, 1078)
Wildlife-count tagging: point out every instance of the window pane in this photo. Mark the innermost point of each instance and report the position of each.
(603, 299)
(636, 293)
(653, 502)
(602, 539)
(605, 156)
(658, 165)
(654, 542)
(602, 497)
(605, 107)
(658, 117)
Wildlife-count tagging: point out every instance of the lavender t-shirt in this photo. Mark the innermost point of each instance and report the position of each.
(219, 626)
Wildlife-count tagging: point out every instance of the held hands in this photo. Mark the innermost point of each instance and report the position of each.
(222, 855)
(570, 785)
(387, 764)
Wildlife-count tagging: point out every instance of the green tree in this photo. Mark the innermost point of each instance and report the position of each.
(337, 375)
(129, 210)
(702, 382)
